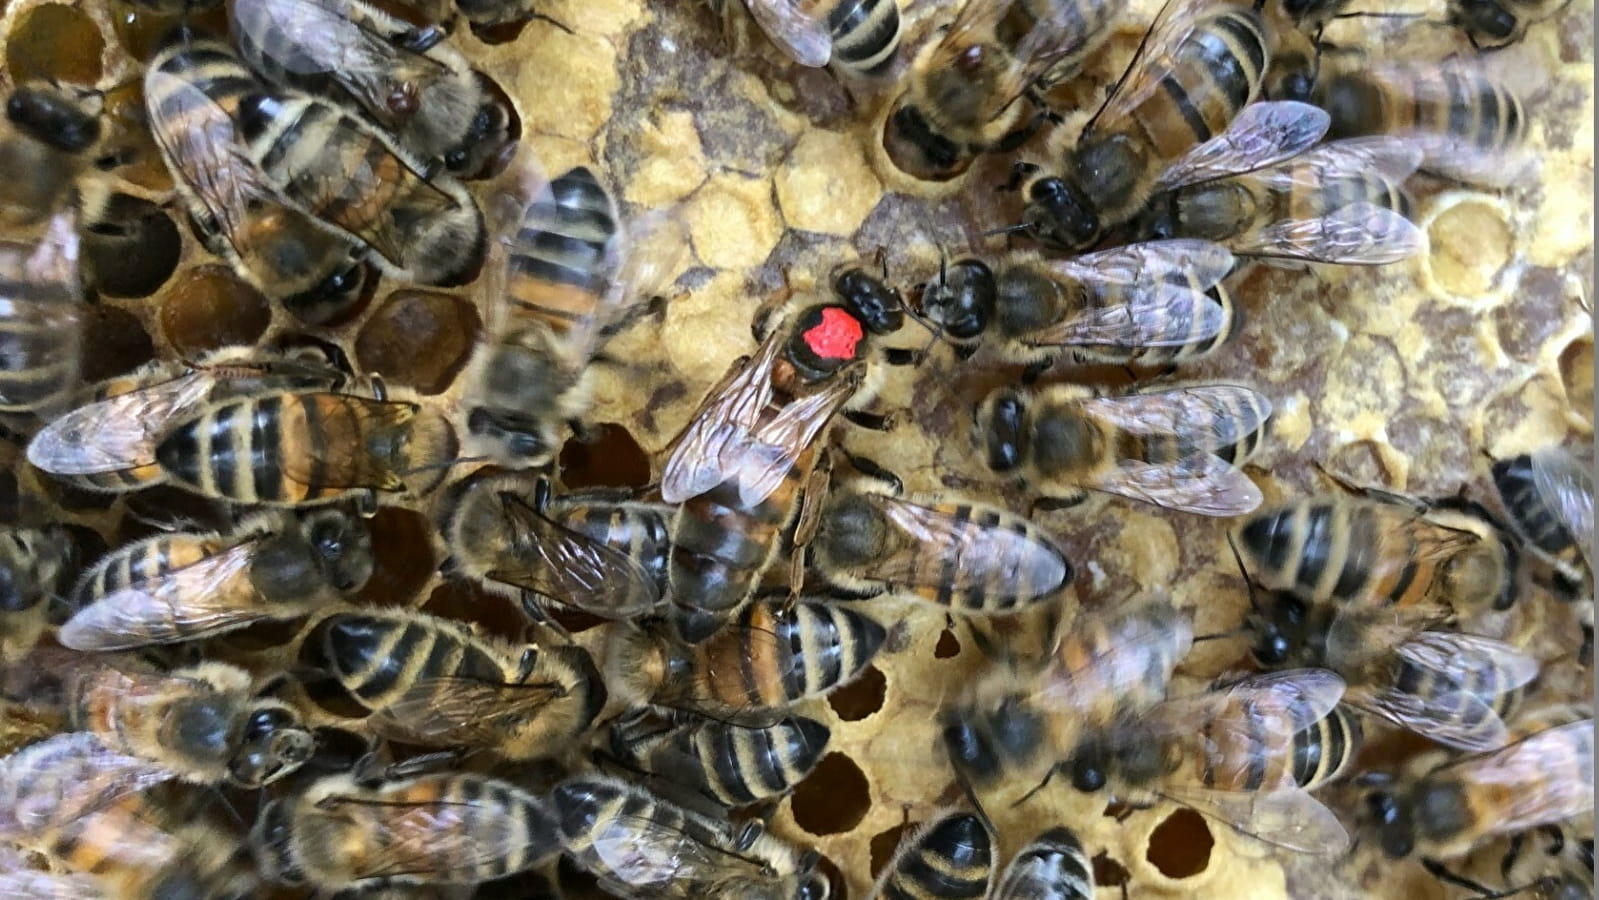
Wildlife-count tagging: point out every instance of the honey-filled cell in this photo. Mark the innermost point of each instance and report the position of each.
(141, 31)
(418, 338)
(605, 455)
(114, 342)
(401, 540)
(55, 42)
(210, 307)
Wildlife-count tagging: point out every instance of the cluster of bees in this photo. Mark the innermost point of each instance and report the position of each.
(329, 138)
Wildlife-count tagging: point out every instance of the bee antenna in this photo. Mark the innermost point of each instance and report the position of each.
(1018, 228)
(1254, 603)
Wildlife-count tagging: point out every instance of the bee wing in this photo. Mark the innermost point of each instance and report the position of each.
(1060, 32)
(63, 778)
(1455, 711)
(120, 432)
(431, 838)
(196, 601)
(797, 27)
(639, 263)
(1149, 315)
(573, 568)
(206, 153)
(1360, 234)
(642, 852)
(726, 439)
(1546, 777)
(1204, 485)
(1150, 62)
(19, 880)
(1393, 158)
(450, 710)
(1151, 262)
(1123, 664)
(1566, 487)
(1287, 817)
(1261, 135)
(1208, 417)
(985, 549)
(1229, 730)
(316, 37)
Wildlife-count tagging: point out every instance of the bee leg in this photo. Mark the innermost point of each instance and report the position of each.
(1440, 872)
(1041, 785)
(760, 325)
(870, 421)
(901, 356)
(421, 40)
(1051, 504)
(366, 504)
(873, 469)
(964, 352)
(1035, 370)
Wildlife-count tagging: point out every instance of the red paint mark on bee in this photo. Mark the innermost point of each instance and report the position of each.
(836, 336)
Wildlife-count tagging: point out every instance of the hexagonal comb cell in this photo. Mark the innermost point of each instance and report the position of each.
(132, 250)
(405, 563)
(861, 697)
(209, 307)
(1180, 845)
(606, 455)
(833, 798)
(419, 338)
(55, 42)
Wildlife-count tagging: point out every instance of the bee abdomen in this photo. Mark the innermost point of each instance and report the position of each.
(865, 34)
(564, 241)
(1052, 867)
(1326, 750)
(953, 859)
(747, 765)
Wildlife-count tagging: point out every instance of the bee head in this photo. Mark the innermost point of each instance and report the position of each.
(826, 339)
(51, 119)
(343, 548)
(1391, 818)
(962, 299)
(1059, 215)
(273, 745)
(1280, 628)
(1003, 419)
(877, 306)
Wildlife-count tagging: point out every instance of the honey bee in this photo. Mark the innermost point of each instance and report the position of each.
(732, 764)
(33, 564)
(643, 847)
(1341, 203)
(949, 858)
(407, 79)
(56, 135)
(573, 276)
(1145, 304)
(1229, 753)
(962, 96)
(1551, 862)
(187, 586)
(860, 37)
(1180, 448)
(353, 180)
(748, 455)
(768, 659)
(1198, 70)
(1014, 723)
(1325, 751)
(108, 443)
(1470, 125)
(206, 723)
(294, 448)
(41, 319)
(1441, 809)
(961, 555)
(348, 832)
(594, 551)
(1491, 24)
(194, 90)
(1446, 686)
(19, 877)
(432, 682)
(1549, 497)
(1417, 562)
(1052, 866)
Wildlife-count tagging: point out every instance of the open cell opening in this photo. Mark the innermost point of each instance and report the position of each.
(833, 798)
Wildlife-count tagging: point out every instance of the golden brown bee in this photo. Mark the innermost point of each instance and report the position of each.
(188, 586)
(33, 564)
(1418, 562)
(1052, 866)
(860, 37)
(766, 660)
(1325, 751)
(407, 79)
(1490, 24)
(1146, 304)
(1199, 68)
(293, 448)
(1549, 497)
(1341, 203)
(962, 555)
(741, 465)
(643, 847)
(108, 443)
(1180, 448)
(57, 136)
(353, 179)
(84, 806)
(432, 682)
(963, 94)
(1470, 125)
(733, 764)
(1232, 753)
(572, 276)
(1441, 809)
(949, 858)
(207, 723)
(1017, 724)
(594, 551)
(350, 832)
(194, 90)
(41, 319)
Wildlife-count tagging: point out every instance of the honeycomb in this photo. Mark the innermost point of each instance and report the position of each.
(1408, 376)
